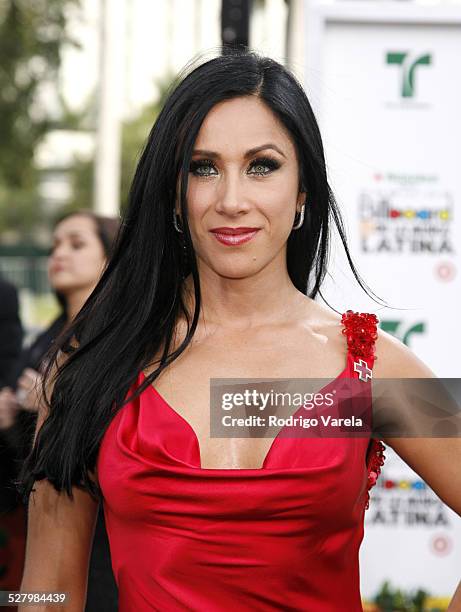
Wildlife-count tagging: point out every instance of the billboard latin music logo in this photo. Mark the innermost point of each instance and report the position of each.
(383, 209)
(394, 219)
(409, 64)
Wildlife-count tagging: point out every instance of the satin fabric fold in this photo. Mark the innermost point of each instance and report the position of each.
(282, 537)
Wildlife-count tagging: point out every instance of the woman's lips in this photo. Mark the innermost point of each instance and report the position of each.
(234, 239)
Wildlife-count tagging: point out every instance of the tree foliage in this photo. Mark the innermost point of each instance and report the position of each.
(32, 33)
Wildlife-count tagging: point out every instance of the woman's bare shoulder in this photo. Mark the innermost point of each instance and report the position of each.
(394, 359)
(319, 314)
(323, 323)
(320, 317)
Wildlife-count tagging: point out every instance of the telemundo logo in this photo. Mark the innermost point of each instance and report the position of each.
(409, 64)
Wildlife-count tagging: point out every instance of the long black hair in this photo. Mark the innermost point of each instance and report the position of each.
(133, 310)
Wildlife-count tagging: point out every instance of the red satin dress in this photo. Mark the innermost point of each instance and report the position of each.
(282, 537)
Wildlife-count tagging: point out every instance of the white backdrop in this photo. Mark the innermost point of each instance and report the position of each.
(383, 79)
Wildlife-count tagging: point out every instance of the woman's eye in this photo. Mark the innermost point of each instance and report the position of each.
(195, 166)
(264, 162)
(77, 245)
(262, 166)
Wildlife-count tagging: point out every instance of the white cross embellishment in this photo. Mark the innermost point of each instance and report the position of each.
(363, 370)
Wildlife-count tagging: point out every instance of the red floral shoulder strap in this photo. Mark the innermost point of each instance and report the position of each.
(360, 329)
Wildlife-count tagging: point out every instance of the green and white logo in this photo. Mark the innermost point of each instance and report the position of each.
(409, 63)
(399, 330)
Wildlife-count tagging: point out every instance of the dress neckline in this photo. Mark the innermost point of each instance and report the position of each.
(360, 331)
(346, 370)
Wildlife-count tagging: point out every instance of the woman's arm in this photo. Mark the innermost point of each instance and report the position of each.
(59, 539)
(455, 603)
(436, 460)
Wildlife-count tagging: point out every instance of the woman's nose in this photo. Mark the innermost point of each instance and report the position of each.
(59, 252)
(232, 197)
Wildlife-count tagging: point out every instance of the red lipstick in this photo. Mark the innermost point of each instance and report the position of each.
(234, 236)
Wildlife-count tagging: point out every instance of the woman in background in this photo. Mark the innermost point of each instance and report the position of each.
(82, 245)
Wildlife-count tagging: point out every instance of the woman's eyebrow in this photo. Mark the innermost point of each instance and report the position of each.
(249, 153)
(72, 234)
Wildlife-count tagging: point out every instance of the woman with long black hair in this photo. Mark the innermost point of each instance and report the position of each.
(82, 245)
(223, 251)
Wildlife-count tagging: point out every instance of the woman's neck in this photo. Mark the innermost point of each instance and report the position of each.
(243, 303)
(75, 301)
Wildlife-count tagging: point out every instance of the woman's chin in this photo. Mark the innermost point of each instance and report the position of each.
(62, 286)
(237, 272)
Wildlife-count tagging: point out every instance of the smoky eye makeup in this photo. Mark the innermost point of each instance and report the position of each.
(268, 162)
(196, 164)
(271, 163)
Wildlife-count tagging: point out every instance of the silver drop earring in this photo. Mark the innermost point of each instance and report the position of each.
(184, 258)
(184, 246)
(175, 222)
(301, 218)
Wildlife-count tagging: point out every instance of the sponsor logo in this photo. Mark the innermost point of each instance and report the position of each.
(441, 545)
(401, 330)
(445, 271)
(401, 215)
(408, 69)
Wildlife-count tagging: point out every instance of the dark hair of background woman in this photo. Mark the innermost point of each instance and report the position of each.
(132, 312)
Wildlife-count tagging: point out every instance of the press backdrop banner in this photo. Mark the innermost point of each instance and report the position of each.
(382, 79)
